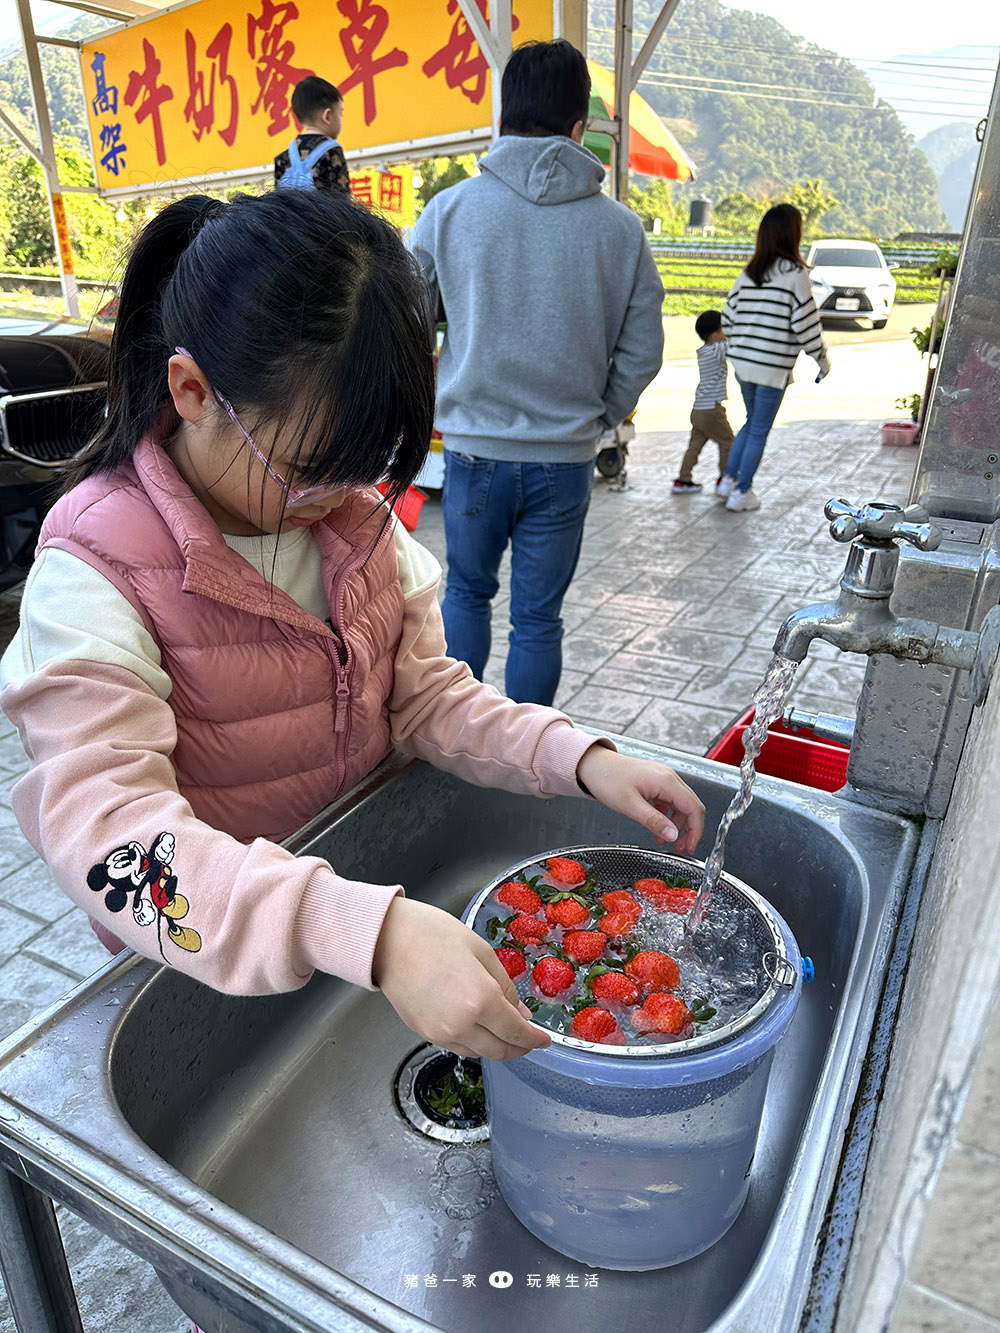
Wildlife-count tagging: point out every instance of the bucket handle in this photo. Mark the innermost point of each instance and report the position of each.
(779, 969)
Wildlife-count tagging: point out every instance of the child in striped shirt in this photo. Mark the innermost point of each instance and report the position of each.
(708, 415)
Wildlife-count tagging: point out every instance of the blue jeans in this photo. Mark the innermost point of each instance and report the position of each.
(762, 403)
(539, 508)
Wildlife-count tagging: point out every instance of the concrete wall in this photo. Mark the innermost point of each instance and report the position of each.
(950, 994)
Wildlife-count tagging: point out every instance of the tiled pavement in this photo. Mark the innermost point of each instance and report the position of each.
(669, 626)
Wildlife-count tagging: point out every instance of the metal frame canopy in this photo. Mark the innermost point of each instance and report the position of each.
(475, 43)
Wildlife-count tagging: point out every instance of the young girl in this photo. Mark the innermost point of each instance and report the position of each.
(225, 627)
(769, 317)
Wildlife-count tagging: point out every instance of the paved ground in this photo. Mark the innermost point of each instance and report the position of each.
(669, 627)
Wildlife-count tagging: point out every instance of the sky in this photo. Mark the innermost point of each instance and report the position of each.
(879, 28)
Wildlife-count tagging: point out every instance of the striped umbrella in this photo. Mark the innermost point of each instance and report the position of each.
(652, 149)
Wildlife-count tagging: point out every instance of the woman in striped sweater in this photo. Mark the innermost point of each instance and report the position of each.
(769, 317)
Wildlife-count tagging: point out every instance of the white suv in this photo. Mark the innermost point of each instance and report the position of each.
(851, 280)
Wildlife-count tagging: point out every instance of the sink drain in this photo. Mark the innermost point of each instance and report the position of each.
(437, 1103)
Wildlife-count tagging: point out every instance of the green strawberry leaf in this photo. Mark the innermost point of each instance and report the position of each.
(533, 1004)
(498, 924)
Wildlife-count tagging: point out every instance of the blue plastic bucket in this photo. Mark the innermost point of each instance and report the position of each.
(639, 1161)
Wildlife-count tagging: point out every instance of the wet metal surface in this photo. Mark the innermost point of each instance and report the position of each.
(252, 1149)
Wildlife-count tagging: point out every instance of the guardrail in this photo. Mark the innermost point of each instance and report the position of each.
(679, 248)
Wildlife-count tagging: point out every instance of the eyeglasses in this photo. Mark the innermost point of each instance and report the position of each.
(295, 497)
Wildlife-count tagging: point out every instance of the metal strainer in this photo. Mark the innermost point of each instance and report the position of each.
(762, 945)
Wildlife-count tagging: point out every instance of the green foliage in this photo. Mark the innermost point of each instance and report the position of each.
(25, 223)
(440, 172)
(749, 145)
(922, 337)
(946, 258)
(655, 200)
(909, 402)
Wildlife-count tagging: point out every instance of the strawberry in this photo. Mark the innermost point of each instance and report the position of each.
(552, 976)
(666, 897)
(615, 986)
(596, 1024)
(528, 930)
(619, 900)
(522, 897)
(566, 911)
(618, 925)
(661, 1013)
(653, 971)
(586, 946)
(513, 961)
(564, 871)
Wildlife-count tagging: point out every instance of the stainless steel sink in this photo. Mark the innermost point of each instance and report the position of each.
(254, 1151)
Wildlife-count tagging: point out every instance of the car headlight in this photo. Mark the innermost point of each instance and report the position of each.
(820, 284)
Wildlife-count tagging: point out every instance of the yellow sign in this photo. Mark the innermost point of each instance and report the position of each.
(388, 192)
(206, 87)
(62, 233)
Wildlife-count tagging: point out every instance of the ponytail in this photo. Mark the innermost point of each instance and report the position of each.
(138, 395)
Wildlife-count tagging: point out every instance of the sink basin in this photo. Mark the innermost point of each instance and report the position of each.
(254, 1151)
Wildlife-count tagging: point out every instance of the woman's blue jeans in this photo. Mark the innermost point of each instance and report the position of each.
(762, 403)
(539, 508)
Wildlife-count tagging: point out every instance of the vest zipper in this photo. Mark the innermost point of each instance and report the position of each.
(343, 697)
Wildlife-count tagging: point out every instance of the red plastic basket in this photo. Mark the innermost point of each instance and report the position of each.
(407, 508)
(798, 756)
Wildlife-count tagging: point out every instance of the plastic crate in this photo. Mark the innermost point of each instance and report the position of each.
(900, 432)
(797, 756)
(407, 508)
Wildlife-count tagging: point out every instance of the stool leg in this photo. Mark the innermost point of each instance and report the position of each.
(33, 1262)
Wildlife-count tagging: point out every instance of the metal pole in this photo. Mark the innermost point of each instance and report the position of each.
(623, 87)
(57, 209)
(33, 1262)
(503, 36)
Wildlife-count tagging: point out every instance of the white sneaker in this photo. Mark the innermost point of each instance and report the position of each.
(724, 486)
(740, 501)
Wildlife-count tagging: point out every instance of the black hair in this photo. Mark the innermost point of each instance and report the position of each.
(311, 96)
(779, 236)
(303, 309)
(707, 323)
(545, 89)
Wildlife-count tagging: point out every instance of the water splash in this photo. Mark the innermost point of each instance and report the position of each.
(769, 701)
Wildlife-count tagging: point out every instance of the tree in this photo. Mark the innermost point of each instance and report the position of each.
(440, 172)
(655, 200)
(95, 234)
(813, 201)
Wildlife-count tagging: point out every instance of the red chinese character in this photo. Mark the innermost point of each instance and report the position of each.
(390, 193)
(366, 26)
(276, 75)
(154, 95)
(361, 189)
(461, 68)
(199, 110)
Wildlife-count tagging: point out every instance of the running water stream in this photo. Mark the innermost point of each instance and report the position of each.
(768, 700)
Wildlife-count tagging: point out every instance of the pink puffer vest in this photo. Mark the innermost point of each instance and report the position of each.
(276, 713)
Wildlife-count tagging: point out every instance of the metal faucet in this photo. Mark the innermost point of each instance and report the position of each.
(860, 621)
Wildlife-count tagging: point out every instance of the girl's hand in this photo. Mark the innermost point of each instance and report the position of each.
(652, 794)
(448, 985)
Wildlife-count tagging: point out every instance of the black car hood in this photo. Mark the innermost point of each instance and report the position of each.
(42, 361)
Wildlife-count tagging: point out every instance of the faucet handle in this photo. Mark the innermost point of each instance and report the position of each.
(882, 522)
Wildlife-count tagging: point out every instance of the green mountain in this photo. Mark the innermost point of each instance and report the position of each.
(759, 110)
(61, 70)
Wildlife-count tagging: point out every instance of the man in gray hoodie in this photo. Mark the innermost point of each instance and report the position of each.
(553, 308)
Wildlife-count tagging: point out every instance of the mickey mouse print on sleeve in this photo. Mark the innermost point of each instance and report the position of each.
(146, 877)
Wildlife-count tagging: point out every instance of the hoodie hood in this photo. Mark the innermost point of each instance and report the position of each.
(544, 170)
